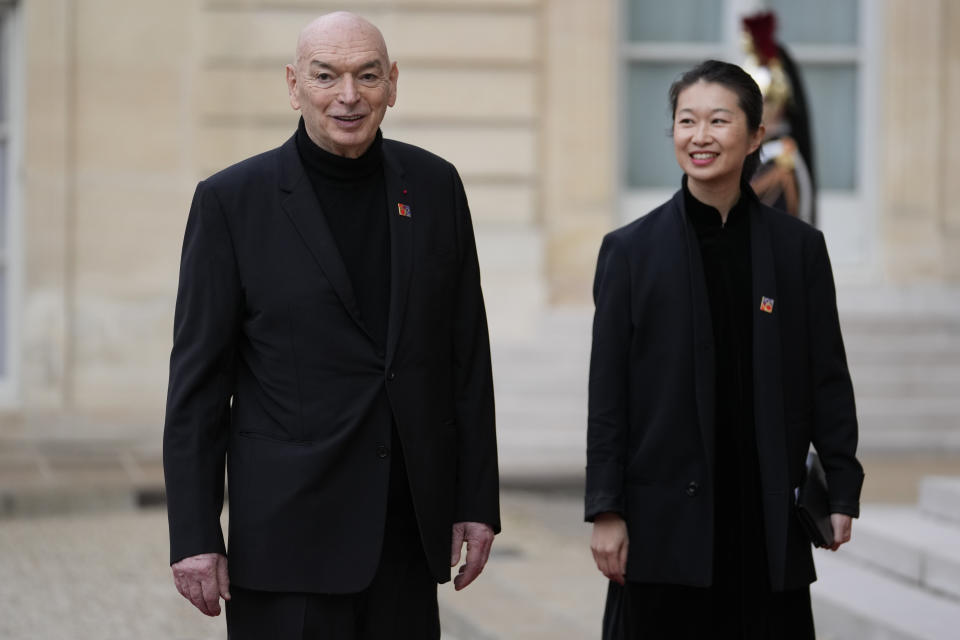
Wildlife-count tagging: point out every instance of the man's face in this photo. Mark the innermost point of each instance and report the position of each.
(342, 83)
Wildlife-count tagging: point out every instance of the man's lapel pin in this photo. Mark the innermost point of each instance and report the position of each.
(766, 304)
(404, 210)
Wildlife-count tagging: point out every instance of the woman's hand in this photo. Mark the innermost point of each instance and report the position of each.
(609, 546)
(842, 526)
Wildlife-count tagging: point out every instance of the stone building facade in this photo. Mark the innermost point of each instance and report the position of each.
(114, 109)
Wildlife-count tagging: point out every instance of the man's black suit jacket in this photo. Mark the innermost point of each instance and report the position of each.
(273, 369)
(650, 452)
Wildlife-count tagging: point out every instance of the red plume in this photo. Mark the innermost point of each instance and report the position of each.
(761, 27)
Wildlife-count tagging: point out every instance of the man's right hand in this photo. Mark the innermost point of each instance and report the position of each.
(609, 546)
(203, 580)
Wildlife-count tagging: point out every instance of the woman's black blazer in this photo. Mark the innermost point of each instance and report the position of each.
(650, 442)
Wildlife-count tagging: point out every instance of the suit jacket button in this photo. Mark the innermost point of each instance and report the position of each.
(382, 451)
(391, 375)
(692, 489)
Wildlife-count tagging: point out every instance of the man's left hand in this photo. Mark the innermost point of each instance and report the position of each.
(479, 539)
(842, 527)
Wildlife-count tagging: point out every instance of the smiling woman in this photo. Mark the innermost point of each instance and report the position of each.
(717, 131)
(691, 464)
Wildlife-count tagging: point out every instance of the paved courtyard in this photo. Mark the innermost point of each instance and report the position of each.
(105, 576)
(78, 560)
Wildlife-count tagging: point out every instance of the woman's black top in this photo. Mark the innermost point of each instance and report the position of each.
(739, 552)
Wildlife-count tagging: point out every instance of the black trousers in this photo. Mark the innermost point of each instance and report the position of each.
(400, 603)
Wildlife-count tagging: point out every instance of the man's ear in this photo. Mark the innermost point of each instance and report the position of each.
(394, 74)
(292, 87)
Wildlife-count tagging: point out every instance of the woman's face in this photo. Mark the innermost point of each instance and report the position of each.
(710, 134)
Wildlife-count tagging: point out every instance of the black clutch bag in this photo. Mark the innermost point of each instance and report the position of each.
(813, 504)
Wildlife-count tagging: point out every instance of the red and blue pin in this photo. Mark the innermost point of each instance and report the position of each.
(404, 209)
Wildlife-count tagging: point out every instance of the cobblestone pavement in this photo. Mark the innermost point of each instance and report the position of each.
(96, 576)
(540, 583)
(105, 576)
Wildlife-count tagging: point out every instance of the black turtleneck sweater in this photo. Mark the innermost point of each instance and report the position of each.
(353, 198)
(740, 563)
(727, 271)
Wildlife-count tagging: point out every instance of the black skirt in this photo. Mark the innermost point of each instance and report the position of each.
(641, 611)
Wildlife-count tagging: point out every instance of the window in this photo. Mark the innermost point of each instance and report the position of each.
(833, 43)
(9, 250)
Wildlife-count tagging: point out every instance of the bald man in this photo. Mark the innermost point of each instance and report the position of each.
(331, 355)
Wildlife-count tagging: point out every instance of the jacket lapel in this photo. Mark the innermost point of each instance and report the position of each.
(401, 243)
(768, 389)
(768, 376)
(302, 207)
(703, 347)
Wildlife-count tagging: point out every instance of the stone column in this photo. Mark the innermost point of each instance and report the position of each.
(579, 123)
(950, 139)
(108, 174)
(49, 59)
(920, 159)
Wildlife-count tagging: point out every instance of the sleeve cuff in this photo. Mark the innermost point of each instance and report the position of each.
(852, 510)
(594, 505)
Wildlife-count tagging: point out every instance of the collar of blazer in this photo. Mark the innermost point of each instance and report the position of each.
(300, 204)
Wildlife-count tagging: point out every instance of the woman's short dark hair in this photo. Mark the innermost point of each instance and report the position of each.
(735, 79)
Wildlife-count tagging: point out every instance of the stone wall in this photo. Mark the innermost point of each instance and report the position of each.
(128, 104)
(920, 160)
(107, 172)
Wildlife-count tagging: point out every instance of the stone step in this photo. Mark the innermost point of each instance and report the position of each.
(910, 407)
(940, 498)
(917, 379)
(541, 431)
(898, 324)
(917, 302)
(566, 406)
(565, 351)
(919, 423)
(906, 337)
(948, 356)
(514, 293)
(905, 543)
(515, 377)
(853, 602)
(882, 435)
(539, 388)
(905, 367)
